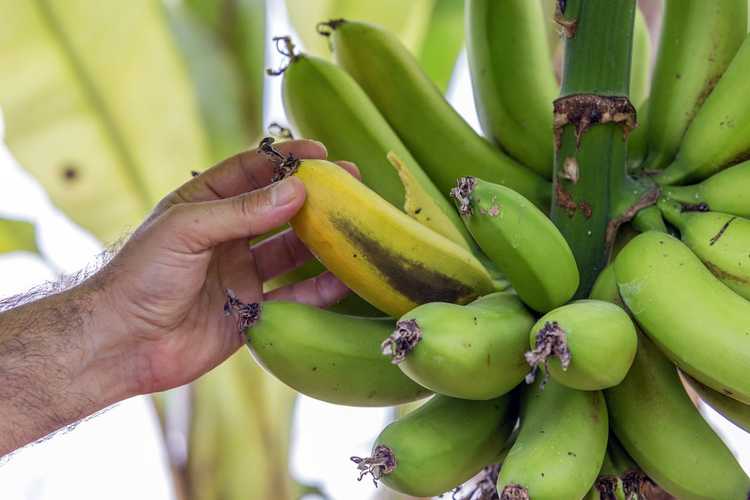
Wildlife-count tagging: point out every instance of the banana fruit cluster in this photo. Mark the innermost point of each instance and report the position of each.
(538, 389)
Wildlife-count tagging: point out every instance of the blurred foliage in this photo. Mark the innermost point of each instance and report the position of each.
(431, 29)
(17, 236)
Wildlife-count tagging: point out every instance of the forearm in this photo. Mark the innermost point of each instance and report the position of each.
(56, 366)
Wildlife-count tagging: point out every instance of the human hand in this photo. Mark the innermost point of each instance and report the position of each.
(162, 295)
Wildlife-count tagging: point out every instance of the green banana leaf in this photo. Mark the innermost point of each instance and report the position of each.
(99, 106)
(239, 27)
(443, 41)
(17, 236)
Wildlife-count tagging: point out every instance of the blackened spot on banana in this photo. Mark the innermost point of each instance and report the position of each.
(607, 487)
(411, 278)
(549, 341)
(514, 492)
(462, 194)
(695, 207)
(382, 462)
(722, 274)
(402, 341)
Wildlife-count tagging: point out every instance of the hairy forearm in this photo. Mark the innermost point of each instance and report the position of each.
(56, 364)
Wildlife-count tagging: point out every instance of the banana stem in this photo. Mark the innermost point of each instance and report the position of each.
(593, 117)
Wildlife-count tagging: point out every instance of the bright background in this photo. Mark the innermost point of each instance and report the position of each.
(119, 454)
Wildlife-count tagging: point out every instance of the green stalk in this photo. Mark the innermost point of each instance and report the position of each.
(592, 118)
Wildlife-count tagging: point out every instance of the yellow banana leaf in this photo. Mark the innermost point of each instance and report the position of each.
(99, 106)
(17, 236)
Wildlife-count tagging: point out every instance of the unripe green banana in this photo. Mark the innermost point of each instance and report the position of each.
(328, 356)
(731, 409)
(324, 103)
(442, 142)
(719, 135)
(698, 42)
(657, 424)
(513, 78)
(640, 65)
(725, 191)
(586, 345)
(637, 140)
(721, 241)
(520, 240)
(470, 352)
(440, 445)
(699, 322)
(560, 446)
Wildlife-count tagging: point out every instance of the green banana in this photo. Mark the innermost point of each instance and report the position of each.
(520, 240)
(657, 424)
(442, 142)
(440, 445)
(719, 135)
(513, 78)
(725, 191)
(637, 140)
(721, 241)
(470, 352)
(586, 345)
(328, 356)
(731, 409)
(698, 321)
(640, 65)
(324, 103)
(698, 41)
(560, 446)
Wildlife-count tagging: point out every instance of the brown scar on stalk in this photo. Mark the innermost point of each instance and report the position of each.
(402, 341)
(549, 342)
(586, 110)
(570, 171)
(381, 463)
(721, 232)
(613, 226)
(565, 201)
(568, 26)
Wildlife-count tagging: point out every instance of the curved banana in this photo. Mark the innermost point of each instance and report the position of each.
(470, 352)
(721, 241)
(700, 323)
(719, 135)
(443, 143)
(329, 356)
(586, 345)
(640, 65)
(698, 41)
(386, 257)
(324, 103)
(560, 446)
(731, 409)
(725, 191)
(513, 78)
(520, 240)
(439, 445)
(657, 424)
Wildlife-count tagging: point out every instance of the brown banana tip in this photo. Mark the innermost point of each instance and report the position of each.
(514, 492)
(381, 463)
(246, 314)
(549, 341)
(325, 28)
(278, 130)
(607, 487)
(484, 486)
(633, 482)
(462, 194)
(402, 341)
(286, 48)
(284, 166)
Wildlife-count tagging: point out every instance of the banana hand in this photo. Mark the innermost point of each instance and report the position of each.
(724, 192)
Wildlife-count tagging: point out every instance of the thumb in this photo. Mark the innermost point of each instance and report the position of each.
(200, 226)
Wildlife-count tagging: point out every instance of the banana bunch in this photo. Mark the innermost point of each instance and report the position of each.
(540, 388)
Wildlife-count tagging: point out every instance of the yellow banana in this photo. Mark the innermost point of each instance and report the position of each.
(382, 254)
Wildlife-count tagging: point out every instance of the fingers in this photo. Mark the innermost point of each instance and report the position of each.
(323, 290)
(279, 254)
(195, 227)
(350, 167)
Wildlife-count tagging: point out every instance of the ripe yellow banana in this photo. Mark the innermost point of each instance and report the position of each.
(698, 41)
(699, 322)
(722, 242)
(442, 142)
(660, 428)
(719, 135)
(513, 78)
(382, 254)
(725, 192)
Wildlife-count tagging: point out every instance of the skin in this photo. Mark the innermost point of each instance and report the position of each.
(152, 318)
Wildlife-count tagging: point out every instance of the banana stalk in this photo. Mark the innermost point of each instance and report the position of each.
(593, 117)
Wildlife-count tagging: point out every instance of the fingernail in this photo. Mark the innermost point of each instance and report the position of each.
(283, 192)
(322, 146)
